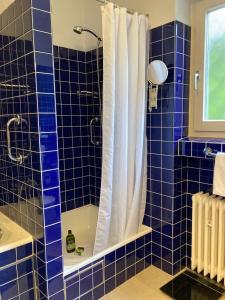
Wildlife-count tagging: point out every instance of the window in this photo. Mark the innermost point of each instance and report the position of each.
(207, 111)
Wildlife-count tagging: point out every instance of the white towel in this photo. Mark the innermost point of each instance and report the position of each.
(219, 175)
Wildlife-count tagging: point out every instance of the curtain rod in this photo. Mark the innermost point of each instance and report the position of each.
(130, 11)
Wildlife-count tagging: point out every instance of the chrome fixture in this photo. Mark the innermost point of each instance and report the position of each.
(209, 152)
(80, 30)
(17, 120)
(87, 93)
(92, 124)
(18, 86)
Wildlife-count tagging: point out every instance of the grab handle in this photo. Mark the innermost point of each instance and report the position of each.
(197, 77)
(17, 120)
(95, 119)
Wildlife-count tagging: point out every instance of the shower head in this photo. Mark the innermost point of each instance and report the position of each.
(80, 30)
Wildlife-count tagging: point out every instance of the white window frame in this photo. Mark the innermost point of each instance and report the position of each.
(198, 127)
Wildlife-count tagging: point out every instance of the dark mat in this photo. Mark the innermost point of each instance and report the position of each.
(188, 287)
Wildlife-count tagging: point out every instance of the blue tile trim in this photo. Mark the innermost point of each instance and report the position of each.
(116, 267)
(193, 147)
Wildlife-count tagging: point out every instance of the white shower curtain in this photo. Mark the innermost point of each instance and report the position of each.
(123, 186)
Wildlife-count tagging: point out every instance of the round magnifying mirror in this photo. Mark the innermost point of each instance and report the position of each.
(157, 72)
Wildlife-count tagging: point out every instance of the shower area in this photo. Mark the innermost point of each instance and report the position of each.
(78, 68)
(78, 78)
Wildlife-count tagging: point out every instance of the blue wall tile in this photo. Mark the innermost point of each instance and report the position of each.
(23, 251)
(41, 21)
(7, 257)
(41, 4)
(44, 63)
(42, 42)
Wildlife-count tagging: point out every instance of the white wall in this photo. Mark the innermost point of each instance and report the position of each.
(4, 4)
(159, 11)
(64, 17)
(183, 11)
(65, 14)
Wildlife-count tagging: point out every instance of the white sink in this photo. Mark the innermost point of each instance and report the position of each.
(11, 234)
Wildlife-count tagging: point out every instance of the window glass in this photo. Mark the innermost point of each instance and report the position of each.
(214, 92)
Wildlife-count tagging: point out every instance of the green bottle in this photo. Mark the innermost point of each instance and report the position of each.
(70, 242)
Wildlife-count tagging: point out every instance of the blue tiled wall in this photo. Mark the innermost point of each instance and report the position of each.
(48, 249)
(165, 126)
(29, 192)
(20, 185)
(95, 151)
(199, 173)
(80, 160)
(16, 273)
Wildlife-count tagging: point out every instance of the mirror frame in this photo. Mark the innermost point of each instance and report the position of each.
(163, 66)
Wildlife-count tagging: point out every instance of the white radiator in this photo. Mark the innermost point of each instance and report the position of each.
(208, 235)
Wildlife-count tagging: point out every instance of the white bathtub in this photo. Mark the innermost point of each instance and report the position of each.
(12, 235)
(82, 221)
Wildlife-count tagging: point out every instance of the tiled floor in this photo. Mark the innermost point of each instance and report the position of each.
(144, 286)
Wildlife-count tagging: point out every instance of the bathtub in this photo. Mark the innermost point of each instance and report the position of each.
(11, 234)
(83, 221)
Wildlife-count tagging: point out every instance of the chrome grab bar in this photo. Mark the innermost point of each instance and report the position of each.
(18, 120)
(95, 119)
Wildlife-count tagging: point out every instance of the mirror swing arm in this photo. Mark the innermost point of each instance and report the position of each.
(157, 73)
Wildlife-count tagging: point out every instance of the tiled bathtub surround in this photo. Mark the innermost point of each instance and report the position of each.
(165, 126)
(80, 160)
(105, 274)
(16, 273)
(29, 192)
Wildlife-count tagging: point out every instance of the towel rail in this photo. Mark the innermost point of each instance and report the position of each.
(208, 151)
